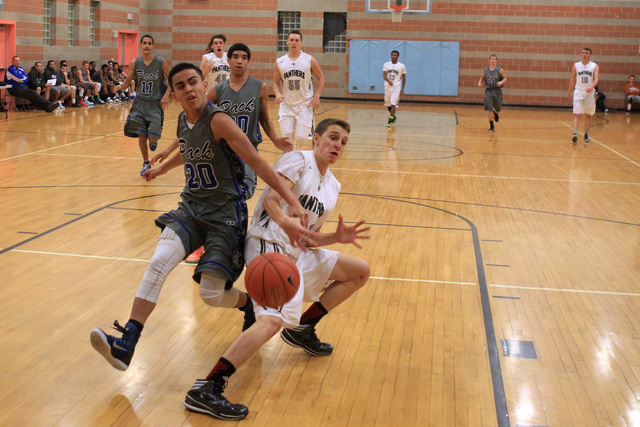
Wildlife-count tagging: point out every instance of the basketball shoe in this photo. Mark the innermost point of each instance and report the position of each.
(206, 397)
(304, 337)
(249, 314)
(195, 256)
(145, 167)
(117, 351)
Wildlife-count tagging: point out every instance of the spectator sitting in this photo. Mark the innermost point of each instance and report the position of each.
(632, 91)
(59, 91)
(91, 87)
(600, 97)
(72, 100)
(17, 79)
(107, 89)
(113, 77)
(92, 69)
(73, 81)
(37, 81)
(119, 77)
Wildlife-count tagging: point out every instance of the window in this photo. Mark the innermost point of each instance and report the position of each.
(70, 20)
(92, 22)
(334, 36)
(287, 21)
(46, 21)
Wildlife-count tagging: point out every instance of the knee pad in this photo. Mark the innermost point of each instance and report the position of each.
(213, 292)
(169, 253)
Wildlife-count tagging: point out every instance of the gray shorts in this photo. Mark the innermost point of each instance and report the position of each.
(222, 233)
(145, 118)
(493, 100)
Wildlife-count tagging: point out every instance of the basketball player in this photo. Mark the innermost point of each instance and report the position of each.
(584, 77)
(493, 78)
(333, 274)
(214, 65)
(297, 100)
(146, 116)
(245, 99)
(393, 72)
(212, 212)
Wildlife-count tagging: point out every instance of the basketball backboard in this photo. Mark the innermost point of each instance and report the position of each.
(410, 6)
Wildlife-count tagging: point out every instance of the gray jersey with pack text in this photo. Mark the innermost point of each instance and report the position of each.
(149, 79)
(213, 171)
(244, 106)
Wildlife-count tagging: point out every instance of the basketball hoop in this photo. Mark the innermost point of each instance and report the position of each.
(396, 12)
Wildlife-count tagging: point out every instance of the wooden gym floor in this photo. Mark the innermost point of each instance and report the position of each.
(504, 288)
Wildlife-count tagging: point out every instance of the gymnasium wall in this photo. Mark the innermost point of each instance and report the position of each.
(537, 41)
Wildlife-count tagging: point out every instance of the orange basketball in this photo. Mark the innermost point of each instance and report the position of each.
(272, 279)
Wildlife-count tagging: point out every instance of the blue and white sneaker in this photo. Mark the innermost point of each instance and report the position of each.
(117, 351)
(145, 167)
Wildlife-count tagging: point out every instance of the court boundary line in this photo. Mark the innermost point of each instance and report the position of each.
(633, 162)
(383, 278)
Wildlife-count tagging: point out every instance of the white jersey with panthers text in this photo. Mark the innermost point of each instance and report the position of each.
(395, 72)
(221, 68)
(296, 78)
(584, 75)
(317, 194)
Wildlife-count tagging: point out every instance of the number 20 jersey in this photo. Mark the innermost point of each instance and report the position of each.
(296, 79)
(213, 171)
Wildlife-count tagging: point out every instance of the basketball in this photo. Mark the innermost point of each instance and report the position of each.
(272, 279)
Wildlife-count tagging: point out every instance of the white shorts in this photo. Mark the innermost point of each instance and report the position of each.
(583, 102)
(315, 267)
(391, 95)
(298, 118)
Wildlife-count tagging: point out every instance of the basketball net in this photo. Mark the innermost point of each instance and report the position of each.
(396, 12)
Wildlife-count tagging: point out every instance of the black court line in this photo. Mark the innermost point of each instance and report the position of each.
(504, 297)
(456, 113)
(27, 232)
(69, 213)
(51, 230)
(498, 265)
(499, 396)
(504, 207)
(489, 240)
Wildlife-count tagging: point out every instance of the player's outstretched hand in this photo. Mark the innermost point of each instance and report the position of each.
(351, 234)
(299, 236)
(279, 99)
(152, 174)
(297, 211)
(160, 157)
(284, 144)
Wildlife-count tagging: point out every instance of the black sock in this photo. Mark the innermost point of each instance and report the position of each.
(313, 314)
(222, 371)
(491, 124)
(247, 305)
(137, 324)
